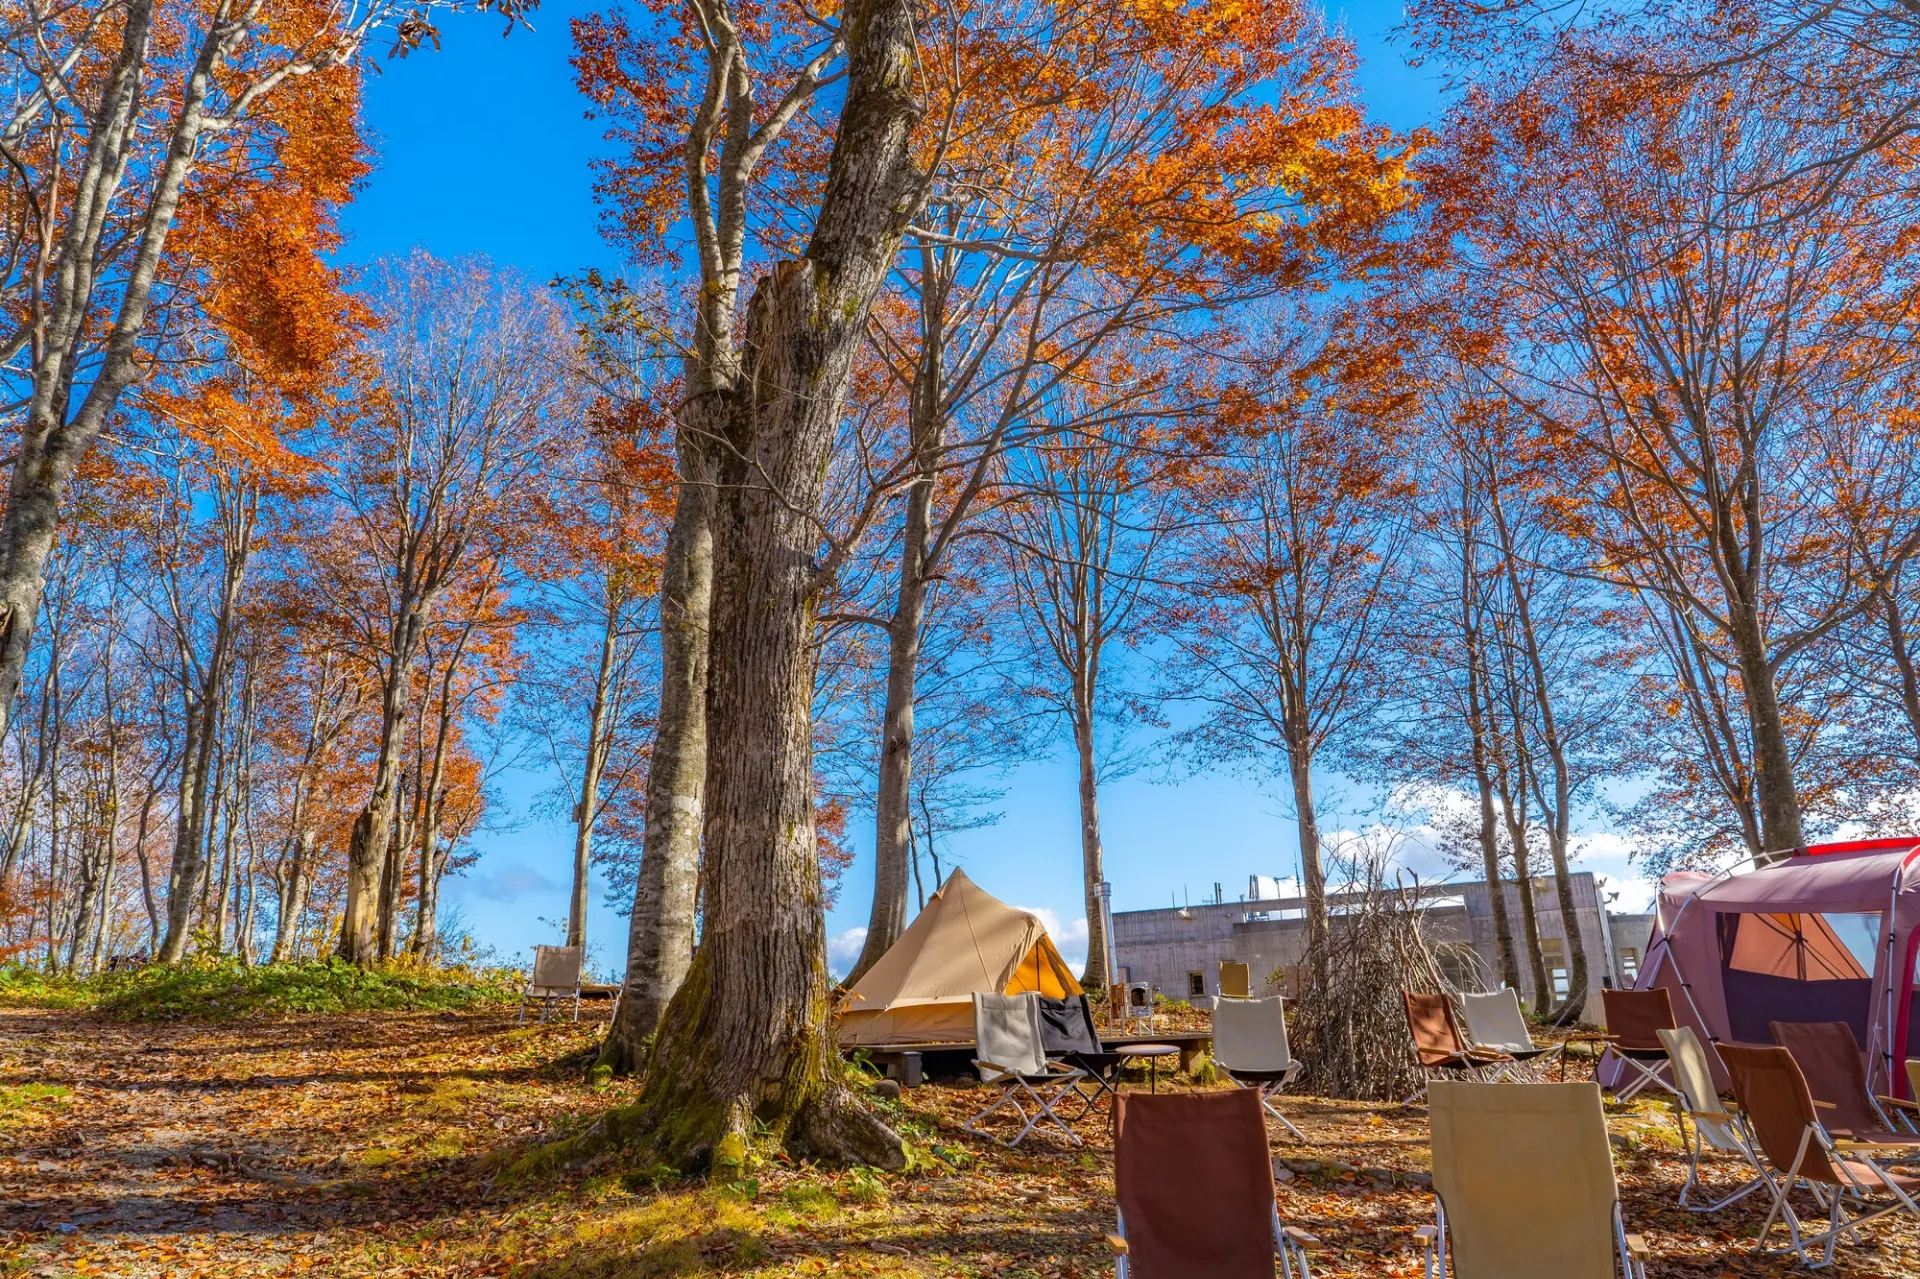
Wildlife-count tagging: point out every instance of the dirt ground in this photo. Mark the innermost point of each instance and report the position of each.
(384, 1145)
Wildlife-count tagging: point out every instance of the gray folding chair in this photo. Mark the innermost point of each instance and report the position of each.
(1713, 1124)
(556, 974)
(1250, 1044)
(1494, 1021)
(1012, 1054)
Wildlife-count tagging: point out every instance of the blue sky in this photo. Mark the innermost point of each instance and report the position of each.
(483, 148)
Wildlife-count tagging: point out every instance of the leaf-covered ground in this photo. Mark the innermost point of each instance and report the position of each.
(379, 1144)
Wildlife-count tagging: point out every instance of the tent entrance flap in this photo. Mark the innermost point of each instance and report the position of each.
(1796, 966)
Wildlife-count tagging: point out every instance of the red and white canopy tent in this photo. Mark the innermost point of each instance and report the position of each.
(1829, 934)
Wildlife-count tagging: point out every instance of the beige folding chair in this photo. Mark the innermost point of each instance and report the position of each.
(556, 974)
(1195, 1189)
(1236, 980)
(1494, 1021)
(1012, 1053)
(1713, 1124)
(1250, 1044)
(1839, 1171)
(1523, 1183)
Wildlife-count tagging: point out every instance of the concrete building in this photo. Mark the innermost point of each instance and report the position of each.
(1179, 950)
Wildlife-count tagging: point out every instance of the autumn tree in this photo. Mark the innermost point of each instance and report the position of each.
(246, 156)
(462, 386)
(1289, 573)
(1147, 198)
(1696, 318)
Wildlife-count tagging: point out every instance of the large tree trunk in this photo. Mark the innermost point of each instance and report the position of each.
(660, 931)
(746, 1045)
(1092, 859)
(893, 802)
(1489, 830)
(189, 865)
(1779, 802)
(1313, 877)
(373, 828)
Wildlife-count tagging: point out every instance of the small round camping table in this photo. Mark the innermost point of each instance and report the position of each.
(1151, 1054)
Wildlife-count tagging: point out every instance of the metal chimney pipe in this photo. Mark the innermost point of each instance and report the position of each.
(1106, 930)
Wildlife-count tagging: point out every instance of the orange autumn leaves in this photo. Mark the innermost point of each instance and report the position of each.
(1221, 139)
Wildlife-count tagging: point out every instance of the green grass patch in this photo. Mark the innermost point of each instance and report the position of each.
(222, 989)
(17, 1100)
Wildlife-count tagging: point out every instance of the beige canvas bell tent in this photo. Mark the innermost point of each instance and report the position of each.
(965, 940)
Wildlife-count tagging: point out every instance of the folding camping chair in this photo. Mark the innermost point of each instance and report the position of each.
(1006, 1033)
(1438, 1044)
(1635, 1019)
(1195, 1190)
(1523, 1185)
(1250, 1044)
(1829, 1059)
(1494, 1021)
(1787, 1126)
(1713, 1124)
(1067, 1033)
(1236, 980)
(556, 974)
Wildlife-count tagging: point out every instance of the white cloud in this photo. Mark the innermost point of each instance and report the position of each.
(843, 949)
(1069, 939)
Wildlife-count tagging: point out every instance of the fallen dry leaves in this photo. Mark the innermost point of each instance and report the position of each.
(372, 1145)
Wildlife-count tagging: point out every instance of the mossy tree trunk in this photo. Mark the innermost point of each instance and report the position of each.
(745, 1045)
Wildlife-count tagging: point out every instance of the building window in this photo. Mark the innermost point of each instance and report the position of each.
(1629, 965)
(1196, 985)
(1553, 956)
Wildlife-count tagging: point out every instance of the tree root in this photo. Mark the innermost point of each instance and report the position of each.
(834, 1126)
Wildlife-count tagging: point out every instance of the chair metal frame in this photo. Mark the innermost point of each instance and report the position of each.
(1268, 1083)
(1290, 1242)
(1841, 1155)
(1631, 1250)
(1015, 1083)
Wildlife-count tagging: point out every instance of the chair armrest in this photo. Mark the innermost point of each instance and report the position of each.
(1895, 1101)
(1427, 1234)
(1119, 1245)
(1711, 1116)
(1847, 1146)
(1826, 1105)
(1300, 1237)
(1637, 1247)
(994, 1065)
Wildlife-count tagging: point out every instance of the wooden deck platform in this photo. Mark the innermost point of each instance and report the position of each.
(908, 1062)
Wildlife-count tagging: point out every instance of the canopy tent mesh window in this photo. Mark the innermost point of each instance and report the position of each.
(965, 940)
(1828, 934)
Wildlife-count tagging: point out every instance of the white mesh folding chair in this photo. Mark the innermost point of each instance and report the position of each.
(1250, 1044)
(1012, 1054)
(1494, 1021)
(1523, 1179)
(556, 975)
(1713, 1124)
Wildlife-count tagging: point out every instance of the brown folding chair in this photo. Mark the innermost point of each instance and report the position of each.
(1195, 1185)
(1635, 1019)
(1829, 1059)
(1837, 1171)
(1438, 1044)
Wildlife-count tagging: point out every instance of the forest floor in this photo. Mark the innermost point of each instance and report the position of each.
(375, 1143)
